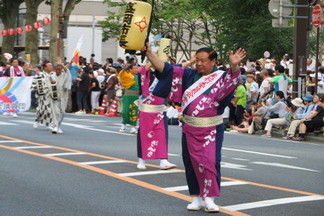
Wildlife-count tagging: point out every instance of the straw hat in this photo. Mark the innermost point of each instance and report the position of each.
(298, 102)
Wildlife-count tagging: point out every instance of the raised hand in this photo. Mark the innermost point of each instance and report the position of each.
(237, 57)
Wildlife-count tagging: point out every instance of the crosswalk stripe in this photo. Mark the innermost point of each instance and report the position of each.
(32, 147)
(266, 203)
(223, 184)
(65, 154)
(10, 141)
(148, 173)
(102, 162)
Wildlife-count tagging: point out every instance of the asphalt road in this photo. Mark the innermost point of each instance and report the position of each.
(91, 170)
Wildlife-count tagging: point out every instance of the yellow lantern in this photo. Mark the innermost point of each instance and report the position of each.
(164, 49)
(135, 25)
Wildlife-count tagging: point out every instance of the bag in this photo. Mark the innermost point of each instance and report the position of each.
(273, 115)
(251, 128)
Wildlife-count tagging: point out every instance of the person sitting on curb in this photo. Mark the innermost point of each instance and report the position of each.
(279, 112)
(307, 108)
(313, 120)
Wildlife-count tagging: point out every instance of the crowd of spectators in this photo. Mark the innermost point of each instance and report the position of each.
(262, 100)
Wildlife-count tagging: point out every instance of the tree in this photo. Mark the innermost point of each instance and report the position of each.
(9, 12)
(57, 16)
(32, 37)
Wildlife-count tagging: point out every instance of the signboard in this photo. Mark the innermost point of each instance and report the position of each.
(317, 15)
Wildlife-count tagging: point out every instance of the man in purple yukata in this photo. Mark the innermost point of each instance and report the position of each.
(204, 93)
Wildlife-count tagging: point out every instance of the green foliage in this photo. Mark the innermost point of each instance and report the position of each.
(222, 24)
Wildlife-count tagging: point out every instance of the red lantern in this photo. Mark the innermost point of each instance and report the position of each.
(19, 30)
(46, 21)
(11, 31)
(4, 32)
(36, 25)
(28, 28)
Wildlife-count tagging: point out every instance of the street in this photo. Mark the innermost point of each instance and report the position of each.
(91, 170)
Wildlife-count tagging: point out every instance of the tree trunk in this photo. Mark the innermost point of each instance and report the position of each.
(10, 11)
(32, 37)
(55, 16)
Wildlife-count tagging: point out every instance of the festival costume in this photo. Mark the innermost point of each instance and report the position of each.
(63, 84)
(130, 110)
(42, 86)
(203, 131)
(153, 133)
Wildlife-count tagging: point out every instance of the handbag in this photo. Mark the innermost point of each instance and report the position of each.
(274, 115)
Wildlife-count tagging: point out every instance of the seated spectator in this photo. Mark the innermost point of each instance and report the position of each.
(313, 120)
(307, 108)
(260, 116)
(277, 113)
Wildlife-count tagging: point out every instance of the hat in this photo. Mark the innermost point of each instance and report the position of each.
(242, 79)
(268, 60)
(308, 97)
(319, 76)
(298, 102)
(251, 75)
(101, 70)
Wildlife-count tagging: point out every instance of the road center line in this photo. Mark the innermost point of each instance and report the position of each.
(266, 203)
(284, 166)
(259, 153)
(10, 141)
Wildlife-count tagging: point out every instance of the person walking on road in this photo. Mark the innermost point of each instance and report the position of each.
(152, 141)
(204, 93)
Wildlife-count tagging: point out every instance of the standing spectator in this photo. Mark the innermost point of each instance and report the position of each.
(310, 66)
(285, 61)
(111, 84)
(14, 71)
(95, 91)
(83, 91)
(74, 71)
(265, 85)
(280, 81)
(252, 92)
(237, 107)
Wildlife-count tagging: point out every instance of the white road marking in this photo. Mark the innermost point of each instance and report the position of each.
(65, 154)
(32, 147)
(266, 203)
(241, 159)
(102, 162)
(10, 141)
(178, 188)
(24, 121)
(284, 166)
(259, 153)
(175, 155)
(233, 166)
(148, 173)
(86, 127)
(232, 183)
(223, 184)
(7, 123)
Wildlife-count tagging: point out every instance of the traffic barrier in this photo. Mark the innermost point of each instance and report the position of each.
(113, 110)
(103, 105)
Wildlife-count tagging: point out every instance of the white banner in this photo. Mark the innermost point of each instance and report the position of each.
(15, 94)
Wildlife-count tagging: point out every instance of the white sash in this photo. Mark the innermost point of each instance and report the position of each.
(199, 87)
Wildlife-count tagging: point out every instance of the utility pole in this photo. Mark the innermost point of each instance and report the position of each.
(300, 42)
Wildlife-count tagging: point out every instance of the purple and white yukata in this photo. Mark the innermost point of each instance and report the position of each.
(201, 146)
(153, 132)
